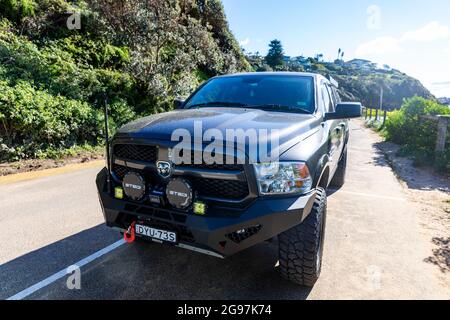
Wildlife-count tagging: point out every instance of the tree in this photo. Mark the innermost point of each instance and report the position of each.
(171, 42)
(275, 55)
(319, 57)
(340, 54)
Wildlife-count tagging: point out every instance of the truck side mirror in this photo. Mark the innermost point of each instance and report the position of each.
(345, 110)
(178, 103)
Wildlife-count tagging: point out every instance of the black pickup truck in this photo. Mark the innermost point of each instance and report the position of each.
(247, 158)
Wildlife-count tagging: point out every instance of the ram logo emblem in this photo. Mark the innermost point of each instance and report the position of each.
(164, 169)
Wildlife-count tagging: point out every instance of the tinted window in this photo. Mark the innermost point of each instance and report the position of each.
(336, 94)
(332, 98)
(328, 107)
(256, 90)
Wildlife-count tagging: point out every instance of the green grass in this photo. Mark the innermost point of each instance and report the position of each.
(84, 150)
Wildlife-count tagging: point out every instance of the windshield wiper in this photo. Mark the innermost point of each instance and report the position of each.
(280, 107)
(215, 103)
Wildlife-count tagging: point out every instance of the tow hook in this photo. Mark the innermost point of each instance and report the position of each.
(130, 235)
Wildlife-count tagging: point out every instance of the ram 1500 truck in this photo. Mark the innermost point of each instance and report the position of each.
(162, 186)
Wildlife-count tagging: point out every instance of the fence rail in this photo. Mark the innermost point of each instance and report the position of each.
(379, 114)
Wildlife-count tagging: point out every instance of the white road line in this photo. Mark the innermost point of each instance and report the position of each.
(62, 273)
(371, 195)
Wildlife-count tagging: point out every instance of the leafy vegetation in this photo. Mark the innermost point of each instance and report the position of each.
(136, 55)
(275, 56)
(416, 134)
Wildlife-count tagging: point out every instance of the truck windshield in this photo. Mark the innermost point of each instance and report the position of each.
(288, 92)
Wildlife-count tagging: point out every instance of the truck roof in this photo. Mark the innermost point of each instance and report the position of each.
(274, 73)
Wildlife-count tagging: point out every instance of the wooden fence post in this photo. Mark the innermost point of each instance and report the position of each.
(442, 133)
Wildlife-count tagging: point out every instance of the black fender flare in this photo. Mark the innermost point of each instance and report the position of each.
(322, 165)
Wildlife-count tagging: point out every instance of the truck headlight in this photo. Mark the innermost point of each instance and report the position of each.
(283, 178)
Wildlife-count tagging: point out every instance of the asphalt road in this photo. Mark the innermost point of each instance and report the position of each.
(373, 247)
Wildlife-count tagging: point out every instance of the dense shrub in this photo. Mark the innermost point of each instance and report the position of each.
(417, 135)
(54, 68)
(17, 10)
(136, 55)
(34, 121)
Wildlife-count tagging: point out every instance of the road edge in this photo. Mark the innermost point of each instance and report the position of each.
(32, 175)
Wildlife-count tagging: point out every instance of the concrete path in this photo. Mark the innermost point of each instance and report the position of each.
(373, 248)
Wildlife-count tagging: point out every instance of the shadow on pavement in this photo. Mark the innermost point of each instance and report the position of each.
(379, 159)
(415, 177)
(148, 271)
(24, 271)
(441, 255)
(155, 272)
(424, 179)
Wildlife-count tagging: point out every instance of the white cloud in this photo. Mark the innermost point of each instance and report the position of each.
(244, 42)
(431, 32)
(379, 46)
(388, 45)
(440, 89)
(431, 40)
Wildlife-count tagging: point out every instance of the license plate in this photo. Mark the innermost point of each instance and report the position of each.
(163, 235)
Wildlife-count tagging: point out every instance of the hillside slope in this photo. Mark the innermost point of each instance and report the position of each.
(359, 80)
(364, 82)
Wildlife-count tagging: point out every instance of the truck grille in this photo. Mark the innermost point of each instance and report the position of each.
(136, 152)
(207, 188)
(223, 166)
(210, 188)
(146, 153)
(230, 190)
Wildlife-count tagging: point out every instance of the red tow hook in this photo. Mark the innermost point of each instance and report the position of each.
(130, 235)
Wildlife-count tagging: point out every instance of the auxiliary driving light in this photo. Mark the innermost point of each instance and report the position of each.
(118, 193)
(199, 208)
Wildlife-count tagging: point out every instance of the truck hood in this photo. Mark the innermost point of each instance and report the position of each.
(289, 128)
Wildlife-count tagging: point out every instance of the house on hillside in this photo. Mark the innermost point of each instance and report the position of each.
(362, 64)
(445, 101)
(305, 62)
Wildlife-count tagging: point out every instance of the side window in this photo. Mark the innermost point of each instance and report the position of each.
(336, 94)
(333, 99)
(327, 104)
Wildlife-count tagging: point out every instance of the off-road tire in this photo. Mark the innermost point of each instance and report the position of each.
(301, 248)
(339, 177)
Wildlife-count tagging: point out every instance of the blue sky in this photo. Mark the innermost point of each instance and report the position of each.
(410, 35)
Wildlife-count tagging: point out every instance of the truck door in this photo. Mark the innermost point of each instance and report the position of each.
(340, 125)
(333, 128)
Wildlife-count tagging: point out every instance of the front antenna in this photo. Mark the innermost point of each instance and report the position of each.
(108, 162)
